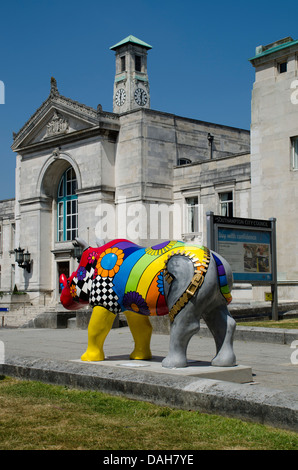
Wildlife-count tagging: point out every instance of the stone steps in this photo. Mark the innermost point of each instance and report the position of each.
(20, 316)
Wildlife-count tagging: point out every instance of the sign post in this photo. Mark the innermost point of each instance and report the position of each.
(274, 301)
(249, 245)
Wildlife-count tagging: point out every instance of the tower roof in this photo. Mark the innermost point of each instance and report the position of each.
(133, 40)
(262, 51)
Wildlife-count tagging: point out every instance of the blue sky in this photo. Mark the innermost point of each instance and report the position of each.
(198, 66)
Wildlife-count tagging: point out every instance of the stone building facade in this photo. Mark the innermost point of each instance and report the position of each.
(135, 172)
(274, 151)
(7, 245)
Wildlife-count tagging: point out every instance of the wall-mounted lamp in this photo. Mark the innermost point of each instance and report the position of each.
(210, 141)
(23, 259)
(77, 251)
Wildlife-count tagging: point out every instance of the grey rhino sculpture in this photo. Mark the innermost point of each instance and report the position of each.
(186, 282)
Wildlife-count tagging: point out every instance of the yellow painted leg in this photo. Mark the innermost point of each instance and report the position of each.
(141, 330)
(101, 322)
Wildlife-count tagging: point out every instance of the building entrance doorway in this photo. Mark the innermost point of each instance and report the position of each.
(63, 268)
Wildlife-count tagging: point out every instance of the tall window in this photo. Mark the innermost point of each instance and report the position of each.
(12, 236)
(122, 59)
(192, 214)
(282, 67)
(67, 206)
(226, 204)
(295, 153)
(138, 63)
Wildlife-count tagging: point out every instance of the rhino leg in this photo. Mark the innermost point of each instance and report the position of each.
(184, 326)
(141, 330)
(100, 324)
(222, 327)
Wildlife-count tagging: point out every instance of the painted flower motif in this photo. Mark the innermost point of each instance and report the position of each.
(73, 290)
(161, 248)
(92, 257)
(134, 301)
(109, 262)
(81, 273)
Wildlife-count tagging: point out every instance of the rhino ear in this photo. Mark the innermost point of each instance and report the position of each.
(99, 242)
(82, 243)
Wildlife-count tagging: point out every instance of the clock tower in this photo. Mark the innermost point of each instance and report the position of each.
(131, 85)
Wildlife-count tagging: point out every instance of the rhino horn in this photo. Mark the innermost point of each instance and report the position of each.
(82, 243)
(63, 280)
(99, 242)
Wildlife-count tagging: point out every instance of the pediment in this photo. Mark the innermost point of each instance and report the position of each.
(57, 116)
(56, 123)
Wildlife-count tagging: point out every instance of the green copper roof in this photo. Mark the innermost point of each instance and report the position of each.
(133, 40)
(273, 49)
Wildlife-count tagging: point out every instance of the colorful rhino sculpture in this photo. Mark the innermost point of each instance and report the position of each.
(172, 278)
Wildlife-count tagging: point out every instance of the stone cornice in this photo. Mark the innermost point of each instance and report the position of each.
(57, 141)
(96, 189)
(34, 200)
(177, 118)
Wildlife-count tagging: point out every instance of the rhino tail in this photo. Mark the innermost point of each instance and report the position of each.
(224, 274)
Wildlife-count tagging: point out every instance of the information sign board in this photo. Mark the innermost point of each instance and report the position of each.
(248, 252)
(249, 245)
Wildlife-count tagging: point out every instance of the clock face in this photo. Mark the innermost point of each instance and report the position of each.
(140, 97)
(120, 97)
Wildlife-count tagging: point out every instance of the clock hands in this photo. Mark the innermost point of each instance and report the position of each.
(140, 96)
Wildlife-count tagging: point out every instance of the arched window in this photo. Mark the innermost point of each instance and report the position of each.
(67, 206)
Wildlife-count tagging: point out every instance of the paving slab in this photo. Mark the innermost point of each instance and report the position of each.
(271, 396)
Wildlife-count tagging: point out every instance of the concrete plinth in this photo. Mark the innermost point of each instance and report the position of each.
(236, 374)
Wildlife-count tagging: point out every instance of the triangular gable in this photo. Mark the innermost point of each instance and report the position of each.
(56, 116)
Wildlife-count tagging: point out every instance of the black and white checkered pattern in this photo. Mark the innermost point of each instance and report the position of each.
(102, 294)
(83, 286)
